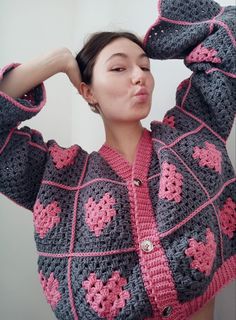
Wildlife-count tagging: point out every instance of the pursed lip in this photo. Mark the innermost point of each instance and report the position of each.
(142, 92)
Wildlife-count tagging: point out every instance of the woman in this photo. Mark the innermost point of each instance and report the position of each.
(145, 227)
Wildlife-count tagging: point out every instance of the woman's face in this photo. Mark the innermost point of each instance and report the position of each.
(122, 83)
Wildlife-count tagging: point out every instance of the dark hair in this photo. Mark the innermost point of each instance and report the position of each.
(86, 58)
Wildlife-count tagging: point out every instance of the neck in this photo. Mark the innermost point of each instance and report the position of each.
(124, 138)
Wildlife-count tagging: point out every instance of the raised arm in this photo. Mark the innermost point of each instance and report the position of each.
(203, 34)
(23, 152)
(22, 79)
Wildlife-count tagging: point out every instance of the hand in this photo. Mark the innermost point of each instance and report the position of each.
(70, 68)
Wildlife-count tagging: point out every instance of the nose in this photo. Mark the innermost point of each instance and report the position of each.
(138, 76)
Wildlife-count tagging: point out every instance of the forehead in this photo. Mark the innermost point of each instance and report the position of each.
(121, 46)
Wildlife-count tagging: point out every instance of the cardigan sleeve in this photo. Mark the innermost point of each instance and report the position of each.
(23, 152)
(203, 34)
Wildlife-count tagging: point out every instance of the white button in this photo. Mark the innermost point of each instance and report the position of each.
(147, 246)
(137, 182)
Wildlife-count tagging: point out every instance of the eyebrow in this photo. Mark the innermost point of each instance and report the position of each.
(124, 55)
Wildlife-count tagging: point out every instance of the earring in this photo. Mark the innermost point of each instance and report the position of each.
(94, 107)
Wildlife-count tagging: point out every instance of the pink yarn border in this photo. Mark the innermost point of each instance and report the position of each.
(16, 103)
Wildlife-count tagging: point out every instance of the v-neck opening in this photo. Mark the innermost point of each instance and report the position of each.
(119, 163)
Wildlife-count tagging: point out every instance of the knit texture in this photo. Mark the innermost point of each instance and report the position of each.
(152, 240)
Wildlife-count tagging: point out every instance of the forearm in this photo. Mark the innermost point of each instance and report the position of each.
(30, 74)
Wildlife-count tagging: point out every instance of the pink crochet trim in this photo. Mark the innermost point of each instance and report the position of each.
(228, 218)
(63, 157)
(203, 253)
(106, 299)
(183, 84)
(98, 215)
(51, 289)
(201, 54)
(170, 183)
(170, 121)
(209, 157)
(45, 218)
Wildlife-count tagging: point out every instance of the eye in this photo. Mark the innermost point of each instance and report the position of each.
(118, 69)
(145, 68)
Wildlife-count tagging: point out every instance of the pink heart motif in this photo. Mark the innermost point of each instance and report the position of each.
(171, 183)
(106, 299)
(209, 156)
(169, 121)
(50, 289)
(63, 157)
(201, 53)
(98, 215)
(203, 254)
(228, 217)
(45, 218)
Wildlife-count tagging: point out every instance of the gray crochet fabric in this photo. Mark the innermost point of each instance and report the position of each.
(154, 240)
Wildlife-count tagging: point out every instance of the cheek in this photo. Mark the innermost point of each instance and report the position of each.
(108, 92)
(151, 83)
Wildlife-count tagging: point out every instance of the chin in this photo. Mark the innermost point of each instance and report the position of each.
(143, 113)
(140, 116)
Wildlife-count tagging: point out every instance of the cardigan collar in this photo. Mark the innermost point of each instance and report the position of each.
(142, 158)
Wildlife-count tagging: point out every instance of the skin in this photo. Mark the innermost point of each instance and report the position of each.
(33, 72)
(121, 70)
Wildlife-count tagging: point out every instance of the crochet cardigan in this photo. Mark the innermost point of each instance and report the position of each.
(155, 239)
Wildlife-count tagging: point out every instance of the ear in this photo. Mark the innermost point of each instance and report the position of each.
(86, 92)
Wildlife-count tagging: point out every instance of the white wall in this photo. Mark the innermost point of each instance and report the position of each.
(29, 28)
